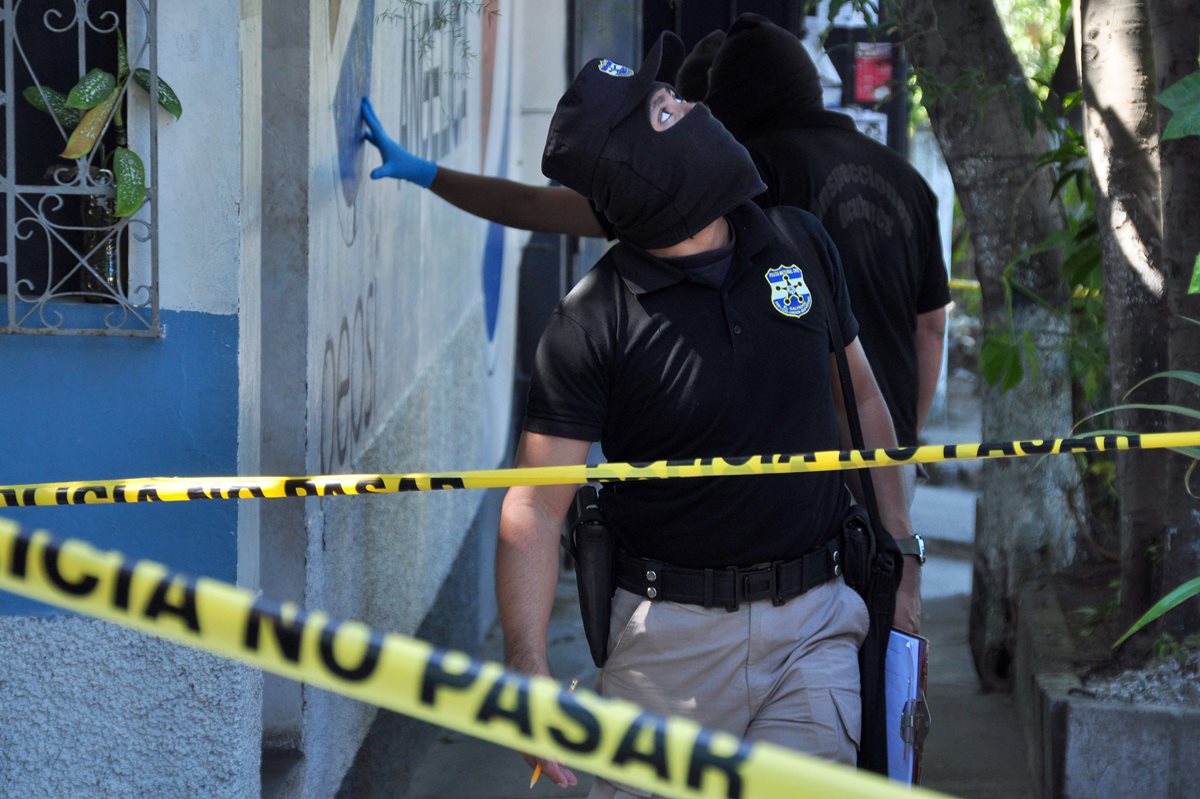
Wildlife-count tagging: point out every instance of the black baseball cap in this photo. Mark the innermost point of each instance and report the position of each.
(602, 95)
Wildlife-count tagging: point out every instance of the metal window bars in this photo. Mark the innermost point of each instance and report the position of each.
(69, 266)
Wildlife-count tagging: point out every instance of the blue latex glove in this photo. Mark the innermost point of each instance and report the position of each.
(397, 162)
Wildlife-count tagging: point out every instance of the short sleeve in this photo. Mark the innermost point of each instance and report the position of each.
(569, 387)
(837, 277)
(934, 288)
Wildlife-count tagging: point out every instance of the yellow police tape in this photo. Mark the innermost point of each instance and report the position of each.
(611, 738)
(183, 489)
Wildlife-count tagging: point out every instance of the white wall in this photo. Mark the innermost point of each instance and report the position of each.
(408, 369)
(87, 708)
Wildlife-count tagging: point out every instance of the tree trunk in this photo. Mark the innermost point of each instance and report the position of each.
(1121, 129)
(1176, 32)
(973, 91)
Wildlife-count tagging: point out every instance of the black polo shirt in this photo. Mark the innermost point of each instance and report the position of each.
(656, 366)
(883, 218)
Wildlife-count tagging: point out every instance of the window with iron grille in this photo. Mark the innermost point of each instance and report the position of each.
(79, 176)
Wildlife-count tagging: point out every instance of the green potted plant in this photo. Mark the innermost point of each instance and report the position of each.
(86, 111)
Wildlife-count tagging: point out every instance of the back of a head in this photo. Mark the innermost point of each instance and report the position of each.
(761, 75)
(691, 81)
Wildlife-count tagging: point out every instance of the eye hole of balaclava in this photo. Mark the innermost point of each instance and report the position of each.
(666, 108)
(658, 188)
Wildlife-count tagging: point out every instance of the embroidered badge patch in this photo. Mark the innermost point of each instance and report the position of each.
(789, 292)
(614, 69)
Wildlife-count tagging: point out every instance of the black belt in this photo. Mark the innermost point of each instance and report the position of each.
(729, 587)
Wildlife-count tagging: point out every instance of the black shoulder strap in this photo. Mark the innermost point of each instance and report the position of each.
(818, 283)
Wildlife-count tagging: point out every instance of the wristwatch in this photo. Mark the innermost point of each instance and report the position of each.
(914, 546)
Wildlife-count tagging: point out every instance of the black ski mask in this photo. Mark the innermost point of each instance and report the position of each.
(657, 188)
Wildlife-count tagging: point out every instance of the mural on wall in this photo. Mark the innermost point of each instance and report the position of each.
(354, 83)
(348, 383)
(495, 162)
(442, 87)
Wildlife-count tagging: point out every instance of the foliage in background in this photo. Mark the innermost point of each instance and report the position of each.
(1172, 600)
(1037, 31)
(449, 15)
(1191, 587)
(1183, 100)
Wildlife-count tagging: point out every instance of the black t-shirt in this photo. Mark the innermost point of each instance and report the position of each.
(883, 218)
(656, 366)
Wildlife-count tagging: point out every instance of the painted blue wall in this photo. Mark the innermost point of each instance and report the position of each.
(103, 408)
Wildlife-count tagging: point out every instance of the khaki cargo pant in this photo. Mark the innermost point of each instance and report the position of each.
(787, 674)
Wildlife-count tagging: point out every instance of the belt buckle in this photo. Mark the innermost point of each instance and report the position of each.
(755, 581)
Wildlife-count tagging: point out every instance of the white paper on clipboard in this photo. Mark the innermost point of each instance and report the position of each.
(906, 668)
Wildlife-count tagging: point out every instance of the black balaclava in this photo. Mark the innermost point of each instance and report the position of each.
(691, 81)
(761, 78)
(656, 188)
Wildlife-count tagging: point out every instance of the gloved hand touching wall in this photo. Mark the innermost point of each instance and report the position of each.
(397, 162)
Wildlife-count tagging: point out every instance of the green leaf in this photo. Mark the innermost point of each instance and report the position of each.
(1194, 285)
(1183, 94)
(84, 137)
(1183, 98)
(53, 103)
(92, 89)
(1177, 597)
(1000, 360)
(130, 176)
(1191, 413)
(166, 95)
(1079, 267)
(122, 58)
(1176, 374)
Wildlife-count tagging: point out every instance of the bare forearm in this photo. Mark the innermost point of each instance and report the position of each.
(930, 343)
(878, 432)
(546, 209)
(893, 509)
(526, 580)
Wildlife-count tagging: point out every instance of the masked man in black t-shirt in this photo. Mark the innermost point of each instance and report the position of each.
(701, 333)
(764, 87)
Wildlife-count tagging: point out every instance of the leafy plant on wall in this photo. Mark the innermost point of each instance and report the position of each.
(87, 109)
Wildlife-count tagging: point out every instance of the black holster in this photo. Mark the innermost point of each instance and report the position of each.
(858, 544)
(872, 567)
(593, 548)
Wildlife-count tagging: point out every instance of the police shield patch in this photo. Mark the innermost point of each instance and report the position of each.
(614, 69)
(789, 292)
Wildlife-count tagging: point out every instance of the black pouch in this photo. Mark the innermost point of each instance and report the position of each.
(857, 549)
(593, 548)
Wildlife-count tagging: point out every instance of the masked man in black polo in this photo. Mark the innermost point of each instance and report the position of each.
(700, 333)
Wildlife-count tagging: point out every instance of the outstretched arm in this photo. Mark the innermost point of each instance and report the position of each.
(546, 209)
(531, 521)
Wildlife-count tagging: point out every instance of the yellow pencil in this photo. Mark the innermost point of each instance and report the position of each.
(537, 770)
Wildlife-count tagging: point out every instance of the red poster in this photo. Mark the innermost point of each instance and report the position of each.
(872, 72)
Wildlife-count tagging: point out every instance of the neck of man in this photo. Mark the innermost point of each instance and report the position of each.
(712, 237)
